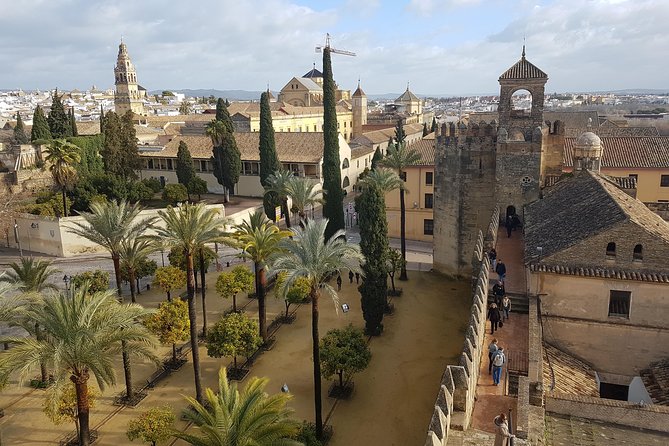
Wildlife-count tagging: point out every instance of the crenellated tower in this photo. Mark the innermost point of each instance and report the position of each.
(482, 166)
(127, 96)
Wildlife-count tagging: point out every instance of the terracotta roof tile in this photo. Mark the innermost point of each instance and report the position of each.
(626, 152)
(656, 379)
(426, 149)
(603, 273)
(572, 376)
(523, 69)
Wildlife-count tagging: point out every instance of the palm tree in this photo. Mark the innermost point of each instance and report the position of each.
(215, 130)
(135, 250)
(309, 255)
(259, 239)
(108, 225)
(386, 179)
(303, 193)
(399, 157)
(83, 335)
(190, 227)
(234, 418)
(31, 277)
(278, 184)
(62, 156)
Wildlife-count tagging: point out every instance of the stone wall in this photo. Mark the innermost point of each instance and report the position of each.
(464, 192)
(651, 417)
(455, 398)
(661, 209)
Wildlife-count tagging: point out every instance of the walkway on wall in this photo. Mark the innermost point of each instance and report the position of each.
(491, 400)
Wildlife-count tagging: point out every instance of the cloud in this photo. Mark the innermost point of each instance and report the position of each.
(428, 7)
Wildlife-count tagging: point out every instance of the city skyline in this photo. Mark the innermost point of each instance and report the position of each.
(453, 47)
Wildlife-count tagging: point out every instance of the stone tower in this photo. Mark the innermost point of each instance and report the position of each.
(486, 165)
(359, 108)
(519, 138)
(588, 152)
(127, 95)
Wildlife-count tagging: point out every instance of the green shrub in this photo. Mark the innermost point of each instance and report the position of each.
(175, 193)
(153, 184)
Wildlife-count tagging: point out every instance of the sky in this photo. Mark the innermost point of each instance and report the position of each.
(439, 47)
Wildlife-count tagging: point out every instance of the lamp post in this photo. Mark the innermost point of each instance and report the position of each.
(68, 284)
(162, 256)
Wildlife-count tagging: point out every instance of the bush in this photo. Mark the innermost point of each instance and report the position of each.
(98, 280)
(153, 184)
(307, 435)
(175, 193)
(138, 191)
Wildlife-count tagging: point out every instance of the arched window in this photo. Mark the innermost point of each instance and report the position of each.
(638, 253)
(344, 164)
(345, 183)
(611, 249)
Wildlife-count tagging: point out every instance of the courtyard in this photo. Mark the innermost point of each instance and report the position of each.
(393, 398)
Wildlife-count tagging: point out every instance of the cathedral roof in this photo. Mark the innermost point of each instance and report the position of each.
(523, 69)
(359, 93)
(407, 96)
(313, 73)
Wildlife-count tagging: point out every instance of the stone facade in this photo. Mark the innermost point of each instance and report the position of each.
(128, 95)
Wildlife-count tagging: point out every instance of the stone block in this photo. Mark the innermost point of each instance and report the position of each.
(461, 381)
(447, 381)
(445, 400)
(433, 440)
(468, 351)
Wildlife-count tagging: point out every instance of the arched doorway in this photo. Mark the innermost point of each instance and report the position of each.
(510, 211)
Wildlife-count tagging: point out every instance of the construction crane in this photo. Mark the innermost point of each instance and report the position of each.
(319, 48)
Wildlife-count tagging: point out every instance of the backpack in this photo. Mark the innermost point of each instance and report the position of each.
(498, 360)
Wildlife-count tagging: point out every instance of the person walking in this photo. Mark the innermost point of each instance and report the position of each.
(502, 434)
(498, 293)
(339, 282)
(498, 361)
(492, 255)
(357, 277)
(493, 315)
(350, 276)
(506, 307)
(501, 270)
(509, 226)
(492, 349)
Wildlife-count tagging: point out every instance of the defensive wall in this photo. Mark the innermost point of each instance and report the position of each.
(457, 389)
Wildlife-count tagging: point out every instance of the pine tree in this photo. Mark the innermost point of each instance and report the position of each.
(185, 169)
(59, 122)
(269, 161)
(40, 130)
(19, 131)
(434, 125)
(371, 209)
(73, 123)
(333, 209)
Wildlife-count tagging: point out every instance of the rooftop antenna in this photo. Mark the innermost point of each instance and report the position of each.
(523, 47)
(407, 85)
(319, 48)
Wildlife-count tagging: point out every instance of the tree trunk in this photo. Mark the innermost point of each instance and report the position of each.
(192, 315)
(169, 297)
(124, 348)
(195, 280)
(81, 389)
(64, 203)
(403, 240)
(234, 361)
(133, 290)
(174, 353)
(392, 281)
(317, 364)
(302, 216)
(139, 291)
(341, 378)
(287, 306)
(202, 289)
(42, 365)
(262, 308)
(286, 211)
(234, 303)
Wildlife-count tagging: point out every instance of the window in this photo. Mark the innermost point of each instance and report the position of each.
(250, 168)
(428, 227)
(346, 183)
(633, 176)
(345, 164)
(429, 201)
(315, 128)
(169, 165)
(664, 181)
(619, 303)
(611, 249)
(638, 253)
(429, 178)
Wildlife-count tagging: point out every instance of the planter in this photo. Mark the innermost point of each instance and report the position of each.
(174, 365)
(237, 374)
(396, 293)
(389, 309)
(122, 399)
(269, 345)
(288, 319)
(73, 440)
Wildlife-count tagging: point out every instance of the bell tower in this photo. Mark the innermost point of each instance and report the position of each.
(127, 96)
(359, 109)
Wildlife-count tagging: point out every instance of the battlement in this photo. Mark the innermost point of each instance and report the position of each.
(474, 137)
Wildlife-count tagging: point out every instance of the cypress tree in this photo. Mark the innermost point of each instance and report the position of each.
(73, 123)
(371, 209)
(223, 115)
(59, 122)
(130, 161)
(400, 135)
(40, 130)
(19, 131)
(434, 125)
(333, 209)
(227, 103)
(269, 162)
(227, 162)
(185, 169)
(425, 132)
(376, 158)
(112, 148)
(102, 120)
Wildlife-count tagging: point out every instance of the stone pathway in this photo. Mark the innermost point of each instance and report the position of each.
(491, 400)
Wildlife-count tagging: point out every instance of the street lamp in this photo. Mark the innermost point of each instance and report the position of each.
(68, 283)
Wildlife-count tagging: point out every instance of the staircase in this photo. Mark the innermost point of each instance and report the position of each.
(519, 302)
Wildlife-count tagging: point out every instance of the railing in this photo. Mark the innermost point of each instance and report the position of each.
(517, 362)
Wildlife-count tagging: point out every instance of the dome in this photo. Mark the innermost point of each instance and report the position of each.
(588, 140)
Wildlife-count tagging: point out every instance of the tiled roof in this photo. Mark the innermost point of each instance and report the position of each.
(572, 376)
(407, 96)
(161, 121)
(313, 73)
(580, 207)
(627, 152)
(604, 273)
(7, 136)
(88, 127)
(523, 69)
(290, 147)
(359, 151)
(309, 84)
(656, 380)
(623, 182)
(359, 93)
(627, 131)
(383, 135)
(426, 149)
